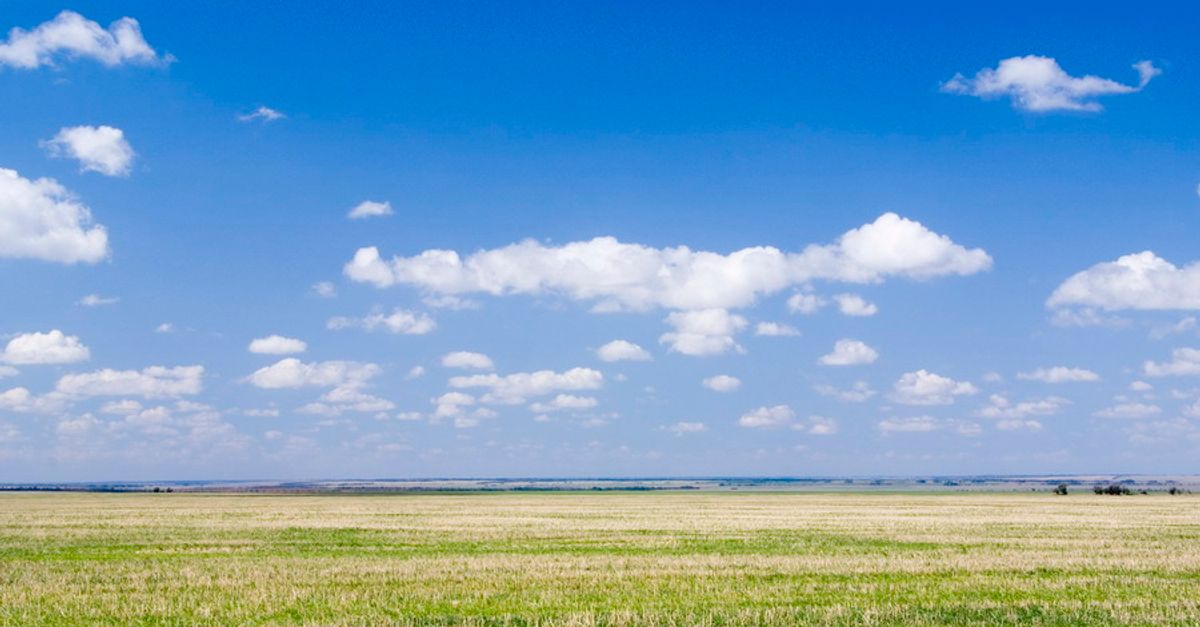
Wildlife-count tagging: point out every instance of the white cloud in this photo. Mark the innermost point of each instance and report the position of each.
(293, 373)
(277, 345)
(703, 332)
(1140, 281)
(854, 305)
(42, 220)
(622, 350)
(1140, 386)
(858, 393)
(1018, 425)
(449, 301)
(73, 36)
(21, 400)
(96, 300)
(400, 321)
(121, 408)
(8, 371)
(768, 417)
(848, 352)
(1000, 407)
(369, 209)
(53, 347)
(1184, 361)
(155, 381)
(925, 424)
(805, 303)
(416, 372)
(620, 276)
(263, 113)
(775, 329)
(1038, 84)
(684, 427)
(467, 360)
(100, 149)
(926, 388)
(347, 397)
(1059, 374)
(564, 402)
(1086, 317)
(722, 383)
(818, 425)
(1130, 410)
(324, 289)
(515, 388)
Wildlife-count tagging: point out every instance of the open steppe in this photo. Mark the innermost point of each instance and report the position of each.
(600, 558)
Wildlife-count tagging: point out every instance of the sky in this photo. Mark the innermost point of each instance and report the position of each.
(314, 240)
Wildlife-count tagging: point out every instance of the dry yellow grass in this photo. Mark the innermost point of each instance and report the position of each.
(600, 558)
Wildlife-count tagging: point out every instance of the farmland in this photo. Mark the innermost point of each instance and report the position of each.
(605, 558)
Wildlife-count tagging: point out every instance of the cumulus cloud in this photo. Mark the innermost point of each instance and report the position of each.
(803, 303)
(703, 332)
(1130, 410)
(467, 360)
(324, 289)
(927, 424)
(72, 36)
(152, 382)
(622, 350)
(1059, 374)
(775, 329)
(54, 347)
(42, 220)
(277, 345)
(767, 417)
(293, 373)
(564, 402)
(370, 209)
(347, 397)
(1184, 361)
(854, 305)
(514, 388)
(100, 149)
(21, 400)
(400, 321)
(165, 327)
(263, 114)
(1002, 409)
(722, 383)
(858, 393)
(1140, 281)
(96, 300)
(926, 388)
(685, 427)
(850, 353)
(620, 276)
(1038, 84)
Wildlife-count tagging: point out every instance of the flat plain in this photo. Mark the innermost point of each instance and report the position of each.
(600, 558)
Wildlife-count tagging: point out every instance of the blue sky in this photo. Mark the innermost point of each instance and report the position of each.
(961, 245)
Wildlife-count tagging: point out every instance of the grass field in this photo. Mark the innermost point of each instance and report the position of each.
(600, 559)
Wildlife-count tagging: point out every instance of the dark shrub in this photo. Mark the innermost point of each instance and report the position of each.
(1061, 489)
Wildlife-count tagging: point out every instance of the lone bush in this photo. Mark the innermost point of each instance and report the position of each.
(1061, 489)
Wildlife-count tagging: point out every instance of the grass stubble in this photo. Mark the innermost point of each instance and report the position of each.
(659, 558)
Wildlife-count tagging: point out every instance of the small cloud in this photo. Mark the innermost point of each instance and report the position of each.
(400, 321)
(1037, 84)
(165, 327)
(100, 149)
(858, 393)
(324, 289)
(96, 300)
(1130, 410)
(805, 303)
(775, 329)
(622, 350)
(684, 428)
(850, 353)
(854, 305)
(416, 372)
(722, 383)
(265, 114)
(767, 417)
(370, 209)
(926, 388)
(1059, 374)
(467, 360)
(277, 345)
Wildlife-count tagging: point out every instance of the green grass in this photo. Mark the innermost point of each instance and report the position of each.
(600, 559)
